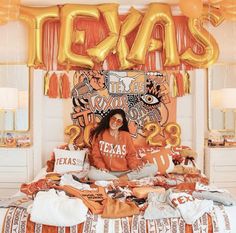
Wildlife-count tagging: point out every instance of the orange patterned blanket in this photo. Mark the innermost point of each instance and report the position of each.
(17, 220)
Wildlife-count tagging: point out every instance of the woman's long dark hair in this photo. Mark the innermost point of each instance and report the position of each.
(104, 123)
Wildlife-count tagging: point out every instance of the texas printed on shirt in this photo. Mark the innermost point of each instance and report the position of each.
(189, 207)
(119, 155)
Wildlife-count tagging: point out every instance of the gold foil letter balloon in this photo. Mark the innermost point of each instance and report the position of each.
(67, 16)
(131, 21)
(154, 129)
(156, 13)
(204, 38)
(172, 133)
(75, 133)
(35, 18)
(110, 14)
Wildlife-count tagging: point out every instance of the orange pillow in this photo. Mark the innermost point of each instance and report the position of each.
(160, 156)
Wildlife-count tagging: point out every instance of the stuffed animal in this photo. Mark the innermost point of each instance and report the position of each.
(181, 169)
(188, 153)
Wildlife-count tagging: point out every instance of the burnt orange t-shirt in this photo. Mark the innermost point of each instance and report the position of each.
(114, 155)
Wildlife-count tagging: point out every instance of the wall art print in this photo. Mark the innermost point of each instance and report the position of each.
(144, 96)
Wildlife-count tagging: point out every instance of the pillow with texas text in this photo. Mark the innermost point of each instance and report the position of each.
(50, 163)
(69, 161)
(160, 156)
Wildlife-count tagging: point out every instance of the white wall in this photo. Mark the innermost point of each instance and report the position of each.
(13, 42)
(225, 35)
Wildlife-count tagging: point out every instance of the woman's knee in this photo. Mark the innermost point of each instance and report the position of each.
(151, 168)
(96, 174)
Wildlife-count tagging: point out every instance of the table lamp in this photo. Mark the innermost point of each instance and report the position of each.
(224, 99)
(9, 101)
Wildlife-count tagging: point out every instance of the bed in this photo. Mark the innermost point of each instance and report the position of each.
(126, 207)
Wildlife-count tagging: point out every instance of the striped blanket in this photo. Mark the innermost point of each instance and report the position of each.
(17, 220)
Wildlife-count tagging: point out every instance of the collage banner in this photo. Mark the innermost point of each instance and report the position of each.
(143, 96)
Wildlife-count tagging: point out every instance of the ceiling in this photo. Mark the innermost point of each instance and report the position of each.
(121, 2)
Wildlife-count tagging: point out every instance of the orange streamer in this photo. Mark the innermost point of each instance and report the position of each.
(53, 86)
(65, 86)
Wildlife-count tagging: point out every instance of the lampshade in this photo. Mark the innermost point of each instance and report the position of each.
(226, 98)
(8, 98)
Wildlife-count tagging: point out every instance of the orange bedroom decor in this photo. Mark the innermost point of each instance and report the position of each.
(64, 85)
(205, 39)
(62, 82)
(75, 135)
(171, 132)
(191, 8)
(9, 10)
(34, 18)
(153, 131)
(143, 96)
(160, 156)
(227, 8)
(53, 86)
(57, 85)
(156, 13)
(131, 41)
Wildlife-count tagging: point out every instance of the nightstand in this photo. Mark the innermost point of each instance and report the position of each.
(16, 167)
(220, 167)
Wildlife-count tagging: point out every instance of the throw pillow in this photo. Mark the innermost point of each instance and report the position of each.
(161, 156)
(69, 161)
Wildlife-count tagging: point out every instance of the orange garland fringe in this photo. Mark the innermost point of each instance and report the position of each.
(65, 86)
(53, 86)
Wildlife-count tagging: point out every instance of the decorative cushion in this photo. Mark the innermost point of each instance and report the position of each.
(69, 161)
(50, 163)
(161, 156)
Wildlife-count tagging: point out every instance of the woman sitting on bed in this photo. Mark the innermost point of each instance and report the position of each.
(113, 155)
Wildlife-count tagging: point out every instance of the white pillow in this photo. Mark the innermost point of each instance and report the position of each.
(68, 161)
